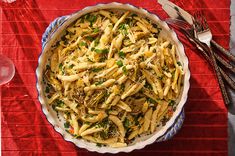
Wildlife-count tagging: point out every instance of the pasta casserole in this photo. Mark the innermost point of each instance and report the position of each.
(113, 77)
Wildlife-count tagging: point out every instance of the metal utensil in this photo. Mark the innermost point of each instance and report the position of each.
(175, 12)
(188, 31)
(204, 35)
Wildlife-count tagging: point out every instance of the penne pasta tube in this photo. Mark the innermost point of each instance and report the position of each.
(154, 119)
(101, 86)
(69, 78)
(167, 86)
(147, 119)
(75, 123)
(92, 130)
(83, 128)
(120, 21)
(127, 93)
(118, 123)
(124, 106)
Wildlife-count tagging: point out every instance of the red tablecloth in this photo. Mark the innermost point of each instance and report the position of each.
(25, 130)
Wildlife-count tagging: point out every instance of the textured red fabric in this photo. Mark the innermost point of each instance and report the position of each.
(25, 130)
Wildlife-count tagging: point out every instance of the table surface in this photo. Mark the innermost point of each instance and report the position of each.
(25, 129)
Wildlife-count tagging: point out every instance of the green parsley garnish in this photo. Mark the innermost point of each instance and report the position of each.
(179, 63)
(71, 66)
(122, 54)
(96, 69)
(90, 60)
(82, 44)
(96, 30)
(60, 66)
(89, 38)
(98, 83)
(126, 123)
(47, 90)
(124, 70)
(66, 125)
(171, 103)
(98, 144)
(119, 63)
(150, 100)
(101, 51)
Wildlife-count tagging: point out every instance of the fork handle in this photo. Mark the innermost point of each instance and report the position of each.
(224, 51)
(219, 77)
(225, 63)
(203, 49)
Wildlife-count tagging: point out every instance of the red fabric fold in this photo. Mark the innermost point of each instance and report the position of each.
(25, 130)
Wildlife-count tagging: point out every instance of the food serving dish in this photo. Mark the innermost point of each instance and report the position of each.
(54, 32)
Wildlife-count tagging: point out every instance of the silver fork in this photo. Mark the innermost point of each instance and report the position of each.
(204, 35)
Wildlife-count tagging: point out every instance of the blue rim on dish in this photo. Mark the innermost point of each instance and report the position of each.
(51, 29)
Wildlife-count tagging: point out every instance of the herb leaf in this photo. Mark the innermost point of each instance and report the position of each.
(82, 44)
(96, 69)
(126, 123)
(99, 83)
(101, 51)
(96, 30)
(179, 63)
(122, 54)
(66, 125)
(150, 100)
(124, 70)
(119, 63)
(47, 90)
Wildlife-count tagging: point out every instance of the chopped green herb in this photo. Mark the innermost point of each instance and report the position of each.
(133, 15)
(124, 70)
(150, 100)
(169, 46)
(102, 59)
(96, 69)
(122, 26)
(96, 41)
(66, 125)
(126, 123)
(179, 63)
(90, 18)
(90, 38)
(60, 66)
(99, 83)
(122, 87)
(96, 30)
(82, 44)
(122, 54)
(160, 77)
(123, 29)
(47, 66)
(86, 122)
(90, 60)
(78, 137)
(101, 51)
(98, 144)
(119, 63)
(104, 134)
(84, 33)
(71, 66)
(171, 103)
(59, 102)
(147, 85)
(92, 49)
(47, 90)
